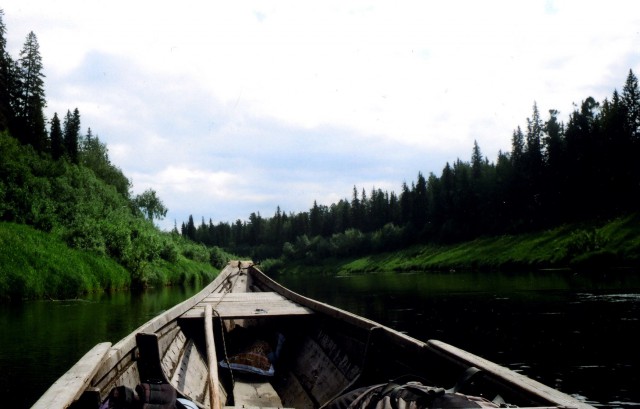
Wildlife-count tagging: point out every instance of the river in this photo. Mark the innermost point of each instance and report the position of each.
(571, 332)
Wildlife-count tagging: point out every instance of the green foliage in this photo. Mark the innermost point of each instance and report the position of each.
(617, 246)
(219, 258)
(78, 208)
(196, 252)
(586, 241)
(34, 264)
(150, 205)
(94, 155)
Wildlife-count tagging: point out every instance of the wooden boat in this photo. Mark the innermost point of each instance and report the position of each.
(325, 353)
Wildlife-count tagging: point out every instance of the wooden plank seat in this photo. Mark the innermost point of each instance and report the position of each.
(255, 393)
(248, 305)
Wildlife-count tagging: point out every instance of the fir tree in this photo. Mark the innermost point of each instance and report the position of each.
(72, 135)
(631, 102)
(6, 111)
(30, 96)
(476, 161)
(57, 146)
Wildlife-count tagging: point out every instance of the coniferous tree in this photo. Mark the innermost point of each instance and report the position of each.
(191, 229)
(533, 149)
(72, 135)
(6, 64)
(31, 101)
(357, 213)
(582, 158)
(56, 138)
(406, 207)
(619, 157)
(420, 204)
(554, 189)
(476, 161)
(631, 103)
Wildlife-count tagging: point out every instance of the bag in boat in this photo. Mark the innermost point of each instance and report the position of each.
(257, 359)
(254, 360)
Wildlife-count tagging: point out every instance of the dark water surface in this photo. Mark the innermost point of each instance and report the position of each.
(573, 333)
(41, 340)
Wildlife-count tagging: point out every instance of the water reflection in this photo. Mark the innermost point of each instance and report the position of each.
(569, 331)
(40, 340)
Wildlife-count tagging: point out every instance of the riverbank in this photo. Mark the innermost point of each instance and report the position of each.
(613, 244)
(38, 265)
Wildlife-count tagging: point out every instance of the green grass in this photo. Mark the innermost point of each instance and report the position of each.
(35, 265)
(587, 246)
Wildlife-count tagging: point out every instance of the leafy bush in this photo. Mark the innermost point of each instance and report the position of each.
(218, 257)
(34, 264)
(585, 241)
(87, 207)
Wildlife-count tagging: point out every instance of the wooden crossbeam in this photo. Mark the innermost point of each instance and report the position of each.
(248, 305)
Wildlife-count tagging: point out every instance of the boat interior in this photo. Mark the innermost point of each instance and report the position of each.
(317, 354)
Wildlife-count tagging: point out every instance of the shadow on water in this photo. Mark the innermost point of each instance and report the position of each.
(40, 340)
(572, 332)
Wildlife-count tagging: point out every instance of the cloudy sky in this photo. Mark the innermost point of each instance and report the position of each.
(228, 108)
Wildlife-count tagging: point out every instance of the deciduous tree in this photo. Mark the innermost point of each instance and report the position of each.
(152, 207)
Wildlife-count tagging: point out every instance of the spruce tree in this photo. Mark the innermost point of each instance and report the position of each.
(631, 103)
(57, 146)
(72, 135)
(6, 64)
(476, 161)
(30, 96)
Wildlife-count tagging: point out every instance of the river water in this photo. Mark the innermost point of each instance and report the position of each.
(575, 333)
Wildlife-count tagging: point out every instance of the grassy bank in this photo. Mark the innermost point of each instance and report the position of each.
(34, 264)
(589, 246)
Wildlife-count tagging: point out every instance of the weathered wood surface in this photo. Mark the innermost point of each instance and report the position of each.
(71, 385)
(253, 393)
(119, 359)
(212, 362)
(190, 377)
(248, 305)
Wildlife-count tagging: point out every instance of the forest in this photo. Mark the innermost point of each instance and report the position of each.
(59, 181)
(555, 173)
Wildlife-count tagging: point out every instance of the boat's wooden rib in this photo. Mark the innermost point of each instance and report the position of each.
(326, 352)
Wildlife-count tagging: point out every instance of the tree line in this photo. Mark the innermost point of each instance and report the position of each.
(555, 173)
(23, 100)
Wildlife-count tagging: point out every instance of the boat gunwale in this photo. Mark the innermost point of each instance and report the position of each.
(500, 373)
(127, 345)
(122, 355)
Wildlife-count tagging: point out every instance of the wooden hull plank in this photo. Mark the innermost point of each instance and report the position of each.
(248, 305)
(71, 385)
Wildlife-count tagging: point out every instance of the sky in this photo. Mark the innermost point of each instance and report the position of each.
(225, 108)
